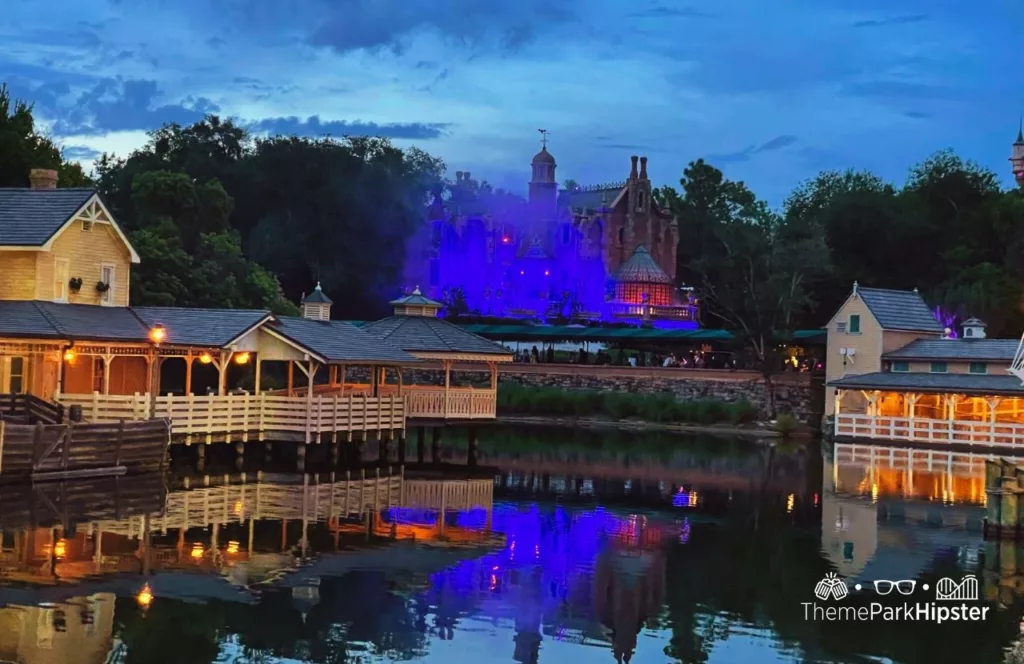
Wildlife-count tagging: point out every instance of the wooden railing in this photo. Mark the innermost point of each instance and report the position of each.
(69, 449)
(31, 408)
(921, 430)
(427, 401)
(245, 416)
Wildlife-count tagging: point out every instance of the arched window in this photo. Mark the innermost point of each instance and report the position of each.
(640, 200)
(622, 236)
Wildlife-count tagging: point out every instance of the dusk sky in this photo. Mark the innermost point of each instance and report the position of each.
(771, 91)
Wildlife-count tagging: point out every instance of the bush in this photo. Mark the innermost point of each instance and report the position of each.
(517, 399)
(786, 424)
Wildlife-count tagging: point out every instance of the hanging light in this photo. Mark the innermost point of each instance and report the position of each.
(197, 551)
(205, 358)
(69, 356)
(145, 597)
(60, 549)
(157, 334)
(242, 358)
(232, 547)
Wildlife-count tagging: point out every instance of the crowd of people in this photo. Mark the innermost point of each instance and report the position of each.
(685, 359)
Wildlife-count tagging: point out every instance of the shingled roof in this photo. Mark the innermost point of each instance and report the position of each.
(431, 335)
(30, 217)
(73, 322)
(899, 310)
(641, 269)
(934, 383)
(967, 350)
(337, 341)
(217, 328)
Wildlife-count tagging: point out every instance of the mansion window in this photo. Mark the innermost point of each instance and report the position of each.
(978, 368)
(901, 366)
(939, 367)
(854, 325)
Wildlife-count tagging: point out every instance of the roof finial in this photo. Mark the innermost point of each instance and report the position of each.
(416, 291)
(318, 286)
(854, 287)
(1020, 131)
(543, 139)
(915, 290)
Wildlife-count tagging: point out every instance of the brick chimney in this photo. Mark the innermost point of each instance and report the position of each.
(42, 178)
(632, 170)
(643, 168)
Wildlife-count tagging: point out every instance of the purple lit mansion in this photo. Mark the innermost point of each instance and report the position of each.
(605, 252)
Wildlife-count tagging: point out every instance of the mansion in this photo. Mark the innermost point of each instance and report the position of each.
(604, 252)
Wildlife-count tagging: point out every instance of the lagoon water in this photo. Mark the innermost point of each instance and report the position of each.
(548, 546)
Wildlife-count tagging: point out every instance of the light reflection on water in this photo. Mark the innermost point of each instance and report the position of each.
(636, 551)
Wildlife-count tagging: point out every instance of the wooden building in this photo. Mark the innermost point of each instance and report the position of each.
(68, 334)
(894, 373)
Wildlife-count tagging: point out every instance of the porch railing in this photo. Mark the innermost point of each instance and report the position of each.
(923, 430)
(427, 401)
(246, 415)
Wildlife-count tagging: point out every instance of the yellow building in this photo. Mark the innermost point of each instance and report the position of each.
(68, 334)
(894, 373)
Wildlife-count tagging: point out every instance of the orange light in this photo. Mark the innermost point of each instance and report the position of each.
(205, 358)
(197, 551)
(232, 547)
(242, 358)
(69, 356)
(145, 597)
(157, 334)
(790, 502)
(61, 548)
(238, 507)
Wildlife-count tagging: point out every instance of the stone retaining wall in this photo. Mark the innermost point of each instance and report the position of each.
(799, 394)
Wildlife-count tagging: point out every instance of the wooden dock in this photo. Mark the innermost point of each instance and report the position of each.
(41, 451)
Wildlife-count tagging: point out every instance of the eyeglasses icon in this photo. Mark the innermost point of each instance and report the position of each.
(904, 587)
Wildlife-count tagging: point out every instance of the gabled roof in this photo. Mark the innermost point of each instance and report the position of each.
(431, 335)
(30, 217)
(337, 341)
(897, 309)
(641, 269)
(967, 350)
(591, 198)
(217, 328)
(935, 383)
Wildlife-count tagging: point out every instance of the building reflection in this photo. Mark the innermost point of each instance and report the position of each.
(882, 506)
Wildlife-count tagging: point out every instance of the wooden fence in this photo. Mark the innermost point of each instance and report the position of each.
(424, 401)
(30, 409)
(243, 417)
(68, 450)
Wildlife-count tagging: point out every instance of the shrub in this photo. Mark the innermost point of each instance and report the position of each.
(664, 407)
(786, 424)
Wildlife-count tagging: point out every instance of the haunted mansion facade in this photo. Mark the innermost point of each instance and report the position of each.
(605, 252)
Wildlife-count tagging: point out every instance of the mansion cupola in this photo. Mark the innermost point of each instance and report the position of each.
(1017, 156)
(416, 304)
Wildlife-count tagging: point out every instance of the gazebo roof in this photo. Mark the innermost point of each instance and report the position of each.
(425, 334)
(416, 299)
(641, 268)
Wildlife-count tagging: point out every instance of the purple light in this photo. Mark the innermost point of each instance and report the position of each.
(947, 320)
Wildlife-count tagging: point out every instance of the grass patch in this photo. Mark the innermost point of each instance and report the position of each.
(664, 407)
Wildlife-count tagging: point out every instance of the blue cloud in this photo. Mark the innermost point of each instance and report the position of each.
(80, 153)
(313, 126)
(874, 84)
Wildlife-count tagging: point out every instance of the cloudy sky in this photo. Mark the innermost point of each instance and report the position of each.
(771, 91)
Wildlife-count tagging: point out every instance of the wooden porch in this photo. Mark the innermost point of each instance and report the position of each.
(251, 417)
(426, 401)
(946, 419)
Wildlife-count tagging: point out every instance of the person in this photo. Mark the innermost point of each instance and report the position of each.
(534, 355)
(551, 354)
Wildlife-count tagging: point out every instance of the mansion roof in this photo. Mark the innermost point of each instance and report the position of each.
(30, 217)
(934, 383)
(641, 269)
(967, 350)
(899, 310)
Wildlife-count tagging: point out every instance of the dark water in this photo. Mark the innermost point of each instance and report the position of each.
(546, 546)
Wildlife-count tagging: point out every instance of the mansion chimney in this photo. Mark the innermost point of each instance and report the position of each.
(632, 168)
(42, 178)
(643, 168)
(317, 306)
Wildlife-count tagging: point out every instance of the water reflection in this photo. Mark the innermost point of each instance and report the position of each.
(630, 550)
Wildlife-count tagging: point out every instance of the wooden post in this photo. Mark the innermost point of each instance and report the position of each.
(341, 381)
(399, 370)
(3, 426)
(291, 377)
(222, 371)
(374, 381)
(259, 371)
(447, 385)
(188, 373)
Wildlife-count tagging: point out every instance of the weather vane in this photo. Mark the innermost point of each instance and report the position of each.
(543, 138)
